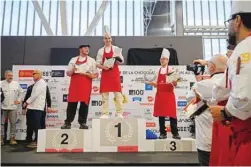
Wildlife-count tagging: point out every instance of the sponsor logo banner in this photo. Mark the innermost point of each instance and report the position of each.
(57, 73)
(25, 73)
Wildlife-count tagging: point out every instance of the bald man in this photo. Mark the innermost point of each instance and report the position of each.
(204, 122)
(35, 107)
(110, 77)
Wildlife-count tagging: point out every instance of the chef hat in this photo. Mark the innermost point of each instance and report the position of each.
(106, 30)
(241, 7)
(165, 53)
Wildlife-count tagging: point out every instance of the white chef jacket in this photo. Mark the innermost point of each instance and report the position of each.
(239, 102)
(221, 89)
(107, 50)
(89, 66)
(204, 121)
(38, 95)
(12, 92)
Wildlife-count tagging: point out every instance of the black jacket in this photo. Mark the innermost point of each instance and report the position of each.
(2, 95)
(48, 95)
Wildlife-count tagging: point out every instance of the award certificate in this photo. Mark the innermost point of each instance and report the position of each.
(109, 63)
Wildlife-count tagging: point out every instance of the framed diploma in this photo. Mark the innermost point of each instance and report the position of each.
(173, 76)
(80, 69)
(195, 108)
(109, 63)
(117, 52)
(149, 78)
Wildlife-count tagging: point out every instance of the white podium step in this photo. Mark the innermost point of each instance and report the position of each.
(171, 145)
(118, 135)
(67, 140)
(109, 135)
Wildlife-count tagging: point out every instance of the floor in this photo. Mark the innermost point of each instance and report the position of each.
(19, 154)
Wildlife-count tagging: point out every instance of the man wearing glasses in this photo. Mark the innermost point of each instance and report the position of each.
(35, 106)
(202, 90)
(238, 108)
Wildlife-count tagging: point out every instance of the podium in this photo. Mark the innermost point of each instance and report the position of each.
(64, 140)
(173, 145)
(109, 135)
(119, 135)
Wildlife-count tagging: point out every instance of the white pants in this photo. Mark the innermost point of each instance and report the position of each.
(118, 102)
(12, 117)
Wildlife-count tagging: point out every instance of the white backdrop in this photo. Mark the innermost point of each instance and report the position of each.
(138, 101)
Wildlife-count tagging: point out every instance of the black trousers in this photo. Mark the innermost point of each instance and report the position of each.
(71, 112)
(43, 117)
(173, 124)
(33, 118)
(204, 157)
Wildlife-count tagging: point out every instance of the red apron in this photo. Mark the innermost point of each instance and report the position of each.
(220, 147)
(165, 102)
(110, 79)
(241, 144)
(80, 86)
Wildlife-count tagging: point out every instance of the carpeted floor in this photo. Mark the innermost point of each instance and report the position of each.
(19, 154)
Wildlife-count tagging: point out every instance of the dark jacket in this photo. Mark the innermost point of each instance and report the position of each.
(2, 95)
(48, 95)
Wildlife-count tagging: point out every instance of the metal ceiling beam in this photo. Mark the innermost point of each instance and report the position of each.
(44, 22)
(179, 18)
(97, 17)
(63, 15)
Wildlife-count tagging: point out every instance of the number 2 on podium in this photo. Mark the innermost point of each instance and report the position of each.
(65, 138)
(119, 129)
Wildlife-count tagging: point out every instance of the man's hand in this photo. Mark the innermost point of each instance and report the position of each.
(152, 84)
(50, 110)
(198, 78)
(216, 112)
(74, 69)
(69, 73)
(25, 105)
(174, 83)
(92, 76)
(16, 102)
(202, 62)
(105, 68)
(197, 95)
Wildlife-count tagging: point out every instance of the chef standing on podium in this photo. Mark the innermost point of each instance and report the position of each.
(110, 77)
(238, 107)
(82, 69)
(165, 103)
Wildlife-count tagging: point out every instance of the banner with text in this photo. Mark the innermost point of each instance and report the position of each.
(138, 96)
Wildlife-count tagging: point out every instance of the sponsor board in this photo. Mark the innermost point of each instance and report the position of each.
(138, 96)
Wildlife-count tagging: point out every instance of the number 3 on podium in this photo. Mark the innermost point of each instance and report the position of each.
(64, 137)
(173, 146)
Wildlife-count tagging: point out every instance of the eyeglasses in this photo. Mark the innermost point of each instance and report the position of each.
(227, 22)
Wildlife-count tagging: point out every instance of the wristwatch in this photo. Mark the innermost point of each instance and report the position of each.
(225, 116)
